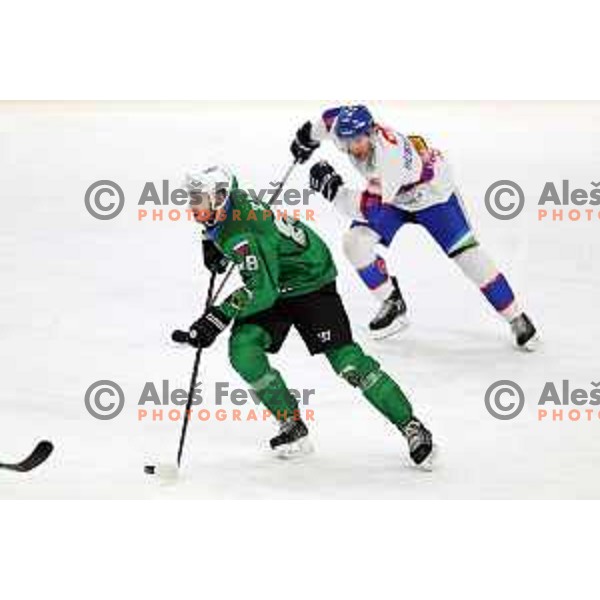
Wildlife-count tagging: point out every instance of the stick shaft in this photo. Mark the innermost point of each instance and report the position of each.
(194, 377)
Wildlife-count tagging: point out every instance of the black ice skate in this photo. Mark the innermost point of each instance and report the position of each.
(420, 441)
(526, 336)
(391, 316)
(292, 439)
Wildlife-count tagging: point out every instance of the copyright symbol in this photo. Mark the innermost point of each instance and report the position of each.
(101, 207)
(501, 407)
(101, 407)
(501, 206)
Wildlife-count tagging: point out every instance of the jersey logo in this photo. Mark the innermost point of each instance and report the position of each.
(324, 336)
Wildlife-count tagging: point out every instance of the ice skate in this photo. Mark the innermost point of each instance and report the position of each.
(391, 317)
(292, 439)
(526, 336)
(420, 442)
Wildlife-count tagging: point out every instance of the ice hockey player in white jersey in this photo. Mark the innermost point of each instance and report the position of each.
(406, 182)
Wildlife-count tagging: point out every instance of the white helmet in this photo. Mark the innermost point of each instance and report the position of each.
(216, 183)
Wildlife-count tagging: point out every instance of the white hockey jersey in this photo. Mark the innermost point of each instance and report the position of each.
(401, 169)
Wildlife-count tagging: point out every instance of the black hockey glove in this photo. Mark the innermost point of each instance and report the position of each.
(214, 260)
(206, 329)
(324, 179)
(303, 145)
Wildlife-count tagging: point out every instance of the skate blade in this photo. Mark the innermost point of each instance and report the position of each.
(531, 345)
(301, 447)
(394, 328)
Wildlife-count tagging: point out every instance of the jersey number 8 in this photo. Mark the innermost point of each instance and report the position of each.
(250, 263)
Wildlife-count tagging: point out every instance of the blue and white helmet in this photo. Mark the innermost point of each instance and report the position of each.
(353, 121)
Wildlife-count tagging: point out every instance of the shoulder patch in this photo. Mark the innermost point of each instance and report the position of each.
(418, 141)
(242, 248)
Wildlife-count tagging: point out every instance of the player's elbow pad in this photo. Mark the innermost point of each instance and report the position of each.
(237, 302)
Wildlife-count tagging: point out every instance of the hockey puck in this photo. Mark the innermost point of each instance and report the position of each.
(150, 469)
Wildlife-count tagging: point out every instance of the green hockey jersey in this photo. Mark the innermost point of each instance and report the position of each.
(277, 257)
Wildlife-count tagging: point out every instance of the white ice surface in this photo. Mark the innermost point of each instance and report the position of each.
(84, 300)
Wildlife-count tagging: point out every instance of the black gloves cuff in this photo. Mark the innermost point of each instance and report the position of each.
(205, 330)
(217, 317)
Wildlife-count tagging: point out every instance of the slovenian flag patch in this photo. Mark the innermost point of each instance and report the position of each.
(242, 248)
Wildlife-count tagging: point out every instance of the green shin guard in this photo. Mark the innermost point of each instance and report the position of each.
(274, 394)
(247, 353)
(363, 372)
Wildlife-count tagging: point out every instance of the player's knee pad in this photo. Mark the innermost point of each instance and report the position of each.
(247, 353)
(356, 367)
(359, 245)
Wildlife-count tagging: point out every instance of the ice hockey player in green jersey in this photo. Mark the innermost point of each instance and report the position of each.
(289, 280)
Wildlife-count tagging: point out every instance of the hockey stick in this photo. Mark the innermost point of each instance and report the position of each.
(39, 455)
(210, 300)
(194, 378)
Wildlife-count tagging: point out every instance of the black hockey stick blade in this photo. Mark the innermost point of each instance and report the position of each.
(40, 453)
